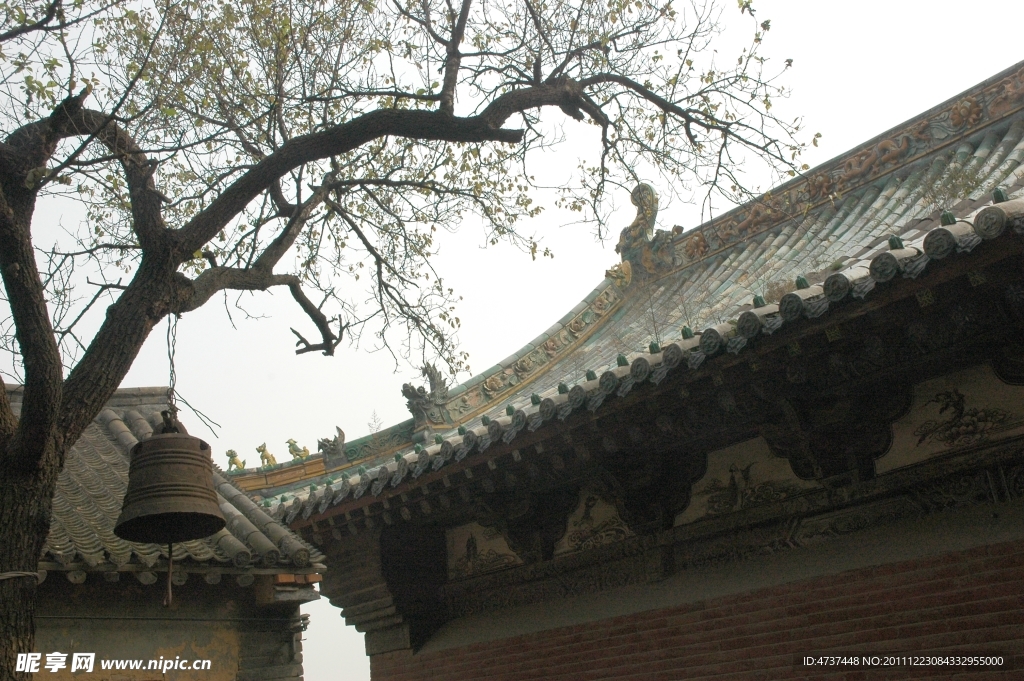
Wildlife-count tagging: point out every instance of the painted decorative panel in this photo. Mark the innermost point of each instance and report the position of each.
(594, 523)
(954, 412)
(743, 475)
(474, 549)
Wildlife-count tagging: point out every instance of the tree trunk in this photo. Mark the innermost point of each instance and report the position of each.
(25, 503)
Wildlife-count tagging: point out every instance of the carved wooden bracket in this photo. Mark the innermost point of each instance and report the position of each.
(386, 582)
(355, 583)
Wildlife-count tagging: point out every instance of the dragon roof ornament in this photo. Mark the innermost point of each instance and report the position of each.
(644, 249)
(427, 407)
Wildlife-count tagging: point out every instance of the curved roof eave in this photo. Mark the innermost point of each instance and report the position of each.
(834, 220)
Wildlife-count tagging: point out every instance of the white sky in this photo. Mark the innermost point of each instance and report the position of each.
(859, 68)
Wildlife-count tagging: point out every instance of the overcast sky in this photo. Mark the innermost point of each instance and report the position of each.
(859, 68)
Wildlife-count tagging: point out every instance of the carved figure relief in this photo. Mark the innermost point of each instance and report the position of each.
(952, 412)
(620, 273)
(639, 232)
(576, 326)
(882, 154)
(234, 461)
(696, 247)
(498, 382)
(962, 426)
(467, 402)
(379, 443)
(594, 523)
(553, 345)
(474, 549)
(333, 449)
(965, 112)
(738, 477)
(1007, 92)
(820, 186)
(603, 303)
(760, 214)
(524, 366)
(298, 453)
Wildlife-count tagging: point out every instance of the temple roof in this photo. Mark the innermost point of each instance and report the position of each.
(92, 484)
(889, 209)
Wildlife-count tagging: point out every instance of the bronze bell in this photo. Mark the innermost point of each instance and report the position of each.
(170, 495)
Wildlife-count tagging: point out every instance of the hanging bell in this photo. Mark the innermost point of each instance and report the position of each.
(170, 495)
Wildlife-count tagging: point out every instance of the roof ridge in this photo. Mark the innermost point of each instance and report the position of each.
(978, 109)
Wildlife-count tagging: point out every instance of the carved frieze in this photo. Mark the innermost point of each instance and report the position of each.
(829, 525)
(461, 407)
(824, 517)
(380, 443)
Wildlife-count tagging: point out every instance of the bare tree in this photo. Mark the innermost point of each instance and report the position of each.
(314, 146)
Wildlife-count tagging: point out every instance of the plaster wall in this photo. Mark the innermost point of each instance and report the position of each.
(126, 620)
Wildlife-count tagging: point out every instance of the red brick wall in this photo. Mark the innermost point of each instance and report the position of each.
(967, 602)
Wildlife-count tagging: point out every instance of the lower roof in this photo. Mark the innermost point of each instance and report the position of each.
(92, 484)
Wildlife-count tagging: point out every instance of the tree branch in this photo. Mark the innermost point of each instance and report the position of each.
(260, 279)
(454, 58)
(260, 276)
(329, 340)
(277, 248)
(51, 12)
(28, 148)
(335, 141)
(34, 435)
(33, 144)
(340, 93)
(646, 93)
(425, 23)
(146, 201)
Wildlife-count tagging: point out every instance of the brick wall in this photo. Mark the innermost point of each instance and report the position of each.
(965, 602)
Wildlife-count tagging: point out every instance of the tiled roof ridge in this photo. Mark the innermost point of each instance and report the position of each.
(944, 110)
(909, 124)
(293, 547)
(487, 389)
(968, 203)
(908, 257)
(1000, 90)
(122, 396)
